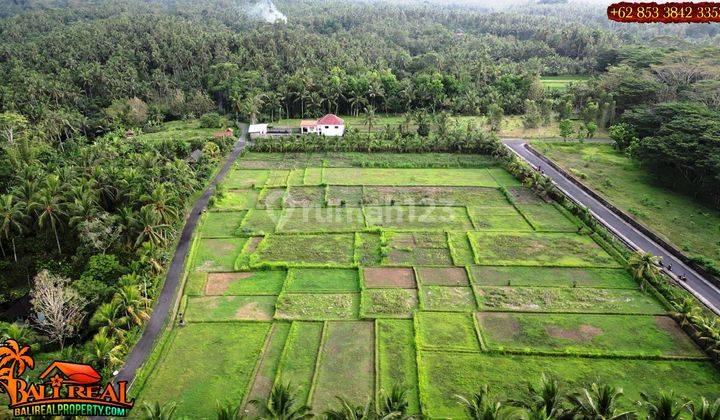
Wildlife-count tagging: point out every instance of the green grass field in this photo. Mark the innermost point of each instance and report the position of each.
(690, 225)
(560, 82)
(345, 274)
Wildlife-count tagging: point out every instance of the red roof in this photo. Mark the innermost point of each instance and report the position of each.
(330, 119)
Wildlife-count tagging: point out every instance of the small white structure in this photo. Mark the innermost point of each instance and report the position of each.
(329, 125)
(258, 129)
(308, 126)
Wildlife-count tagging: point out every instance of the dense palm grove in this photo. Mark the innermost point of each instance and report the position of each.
(86, 209)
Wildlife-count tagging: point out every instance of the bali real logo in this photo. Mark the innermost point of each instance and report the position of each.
(64, 388)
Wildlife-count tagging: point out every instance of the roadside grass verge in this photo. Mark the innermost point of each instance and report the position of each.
(687, 223)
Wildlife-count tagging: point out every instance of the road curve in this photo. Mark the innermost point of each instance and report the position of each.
(696, 284)
(165, 302)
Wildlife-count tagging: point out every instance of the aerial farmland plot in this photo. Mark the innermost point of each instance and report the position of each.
(344, 280)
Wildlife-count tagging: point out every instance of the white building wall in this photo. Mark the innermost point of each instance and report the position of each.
(331, 130)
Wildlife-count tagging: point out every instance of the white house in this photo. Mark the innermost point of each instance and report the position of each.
(329, 125)
(308, 126)
(258, 129)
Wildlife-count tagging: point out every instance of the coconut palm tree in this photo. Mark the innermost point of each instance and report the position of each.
(480, 407)
(705, 410)
(685, 310)
(281, 405)
(12, 212)
(545, 400)
(598, 403)
(133, 304)
(109, 316)
(105, 350)
(394, 402)
(370, 117)
(642, 265)
(347, 411)
(665, 406)
(150, 227)
(229, 411)
(158, 411)
(16, 331)
(51, 210)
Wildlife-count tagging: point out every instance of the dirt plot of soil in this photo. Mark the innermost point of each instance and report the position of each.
(443, 276)
(253, 311)
(218, 283)
(381, 277)
(305, 197)
(503, 324)
(418, 240)
(253, 244)
(583, 333)
(523, 195)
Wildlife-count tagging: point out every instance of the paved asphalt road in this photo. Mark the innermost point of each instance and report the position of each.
(695, 284)
(166, 300)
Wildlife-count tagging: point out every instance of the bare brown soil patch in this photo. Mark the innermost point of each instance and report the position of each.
(445, 276)
(583, 333)
(524, 195)
(499, 324)
(671, 327)
(218, 283)
(252, 311)
(379, 277)
(254, 242)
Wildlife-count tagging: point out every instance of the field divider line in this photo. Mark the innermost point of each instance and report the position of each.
(376, 364)
(578, 355)
(416, 338)
(316, 371)
(253, 378)
(284, 355)
(478, 332)
(575, 312)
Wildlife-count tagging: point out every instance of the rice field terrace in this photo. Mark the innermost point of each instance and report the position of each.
(345, 274)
